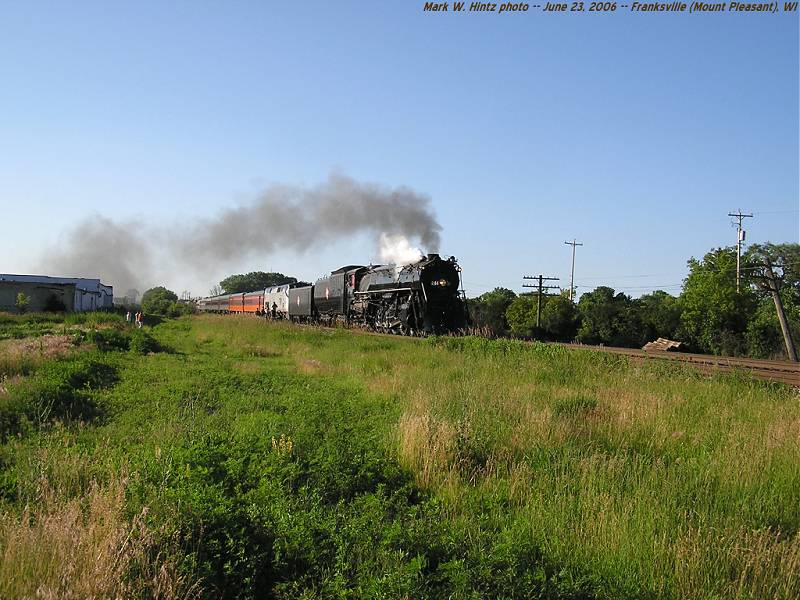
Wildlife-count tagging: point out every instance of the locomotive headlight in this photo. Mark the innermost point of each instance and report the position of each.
(443, 282)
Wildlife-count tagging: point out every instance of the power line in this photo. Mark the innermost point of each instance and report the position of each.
(509, 285)
(651, 287)
(624, 276)
(489, 286)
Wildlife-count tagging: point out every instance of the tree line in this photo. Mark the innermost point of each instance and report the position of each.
(250, 282)
(708, 315)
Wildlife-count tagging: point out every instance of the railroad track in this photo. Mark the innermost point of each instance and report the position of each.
(782, 371)
(770, 370)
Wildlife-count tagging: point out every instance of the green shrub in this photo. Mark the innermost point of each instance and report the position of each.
(22, 302)
(57, 391)
(109, 339)
(142, 342)
(328, 513)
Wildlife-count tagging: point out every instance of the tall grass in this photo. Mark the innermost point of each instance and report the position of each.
(84, 548)
(94, 318)
(658, 478)
(303, 462)
(20, 319)
(37, 324)
(677, 484)
(22, 357)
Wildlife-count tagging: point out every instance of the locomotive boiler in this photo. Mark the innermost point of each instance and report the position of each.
(423, 297)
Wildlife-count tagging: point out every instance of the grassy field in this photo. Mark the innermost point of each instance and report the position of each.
(228, 457)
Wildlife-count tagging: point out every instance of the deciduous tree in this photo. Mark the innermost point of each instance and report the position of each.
(608, 318)
(521, 315)
(560, 318)
(251, 282)
(714, 316)
(660, 316)
(489, 310)
(775, 271)
(158, 301)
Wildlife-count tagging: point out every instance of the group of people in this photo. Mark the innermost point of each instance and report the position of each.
(270, 313)
(137, 318)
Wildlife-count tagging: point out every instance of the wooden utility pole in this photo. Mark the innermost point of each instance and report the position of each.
(573, 243)
(739, 239)
(541, 287)
(773, 285)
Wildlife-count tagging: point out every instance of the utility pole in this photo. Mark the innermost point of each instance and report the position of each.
(773, 284)
(739, 239)
(541, 287)
(573, 243)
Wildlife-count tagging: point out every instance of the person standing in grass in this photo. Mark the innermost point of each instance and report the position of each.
(128, 317)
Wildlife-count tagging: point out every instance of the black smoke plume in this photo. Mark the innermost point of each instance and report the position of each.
(133, 254)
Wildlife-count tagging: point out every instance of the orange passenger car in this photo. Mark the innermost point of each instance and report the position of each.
(252, 303)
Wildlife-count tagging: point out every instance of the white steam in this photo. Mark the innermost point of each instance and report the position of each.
(397, 250)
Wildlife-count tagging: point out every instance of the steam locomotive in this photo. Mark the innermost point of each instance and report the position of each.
(416, 299)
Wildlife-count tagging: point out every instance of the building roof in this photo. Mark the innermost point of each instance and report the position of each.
(82, 283)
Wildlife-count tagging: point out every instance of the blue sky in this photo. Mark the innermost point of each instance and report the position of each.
(636, 134)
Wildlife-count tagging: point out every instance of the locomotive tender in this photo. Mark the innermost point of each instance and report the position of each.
(419, 298)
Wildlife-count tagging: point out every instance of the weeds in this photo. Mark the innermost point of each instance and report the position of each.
(573, 406)
(23, 357)
(62, 391)
(270, 460)
(94, 319)
(36, 324)
(142, 342)
(84, 548)
(109, 339)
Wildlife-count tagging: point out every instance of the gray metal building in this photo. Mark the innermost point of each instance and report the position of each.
(77, 294)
